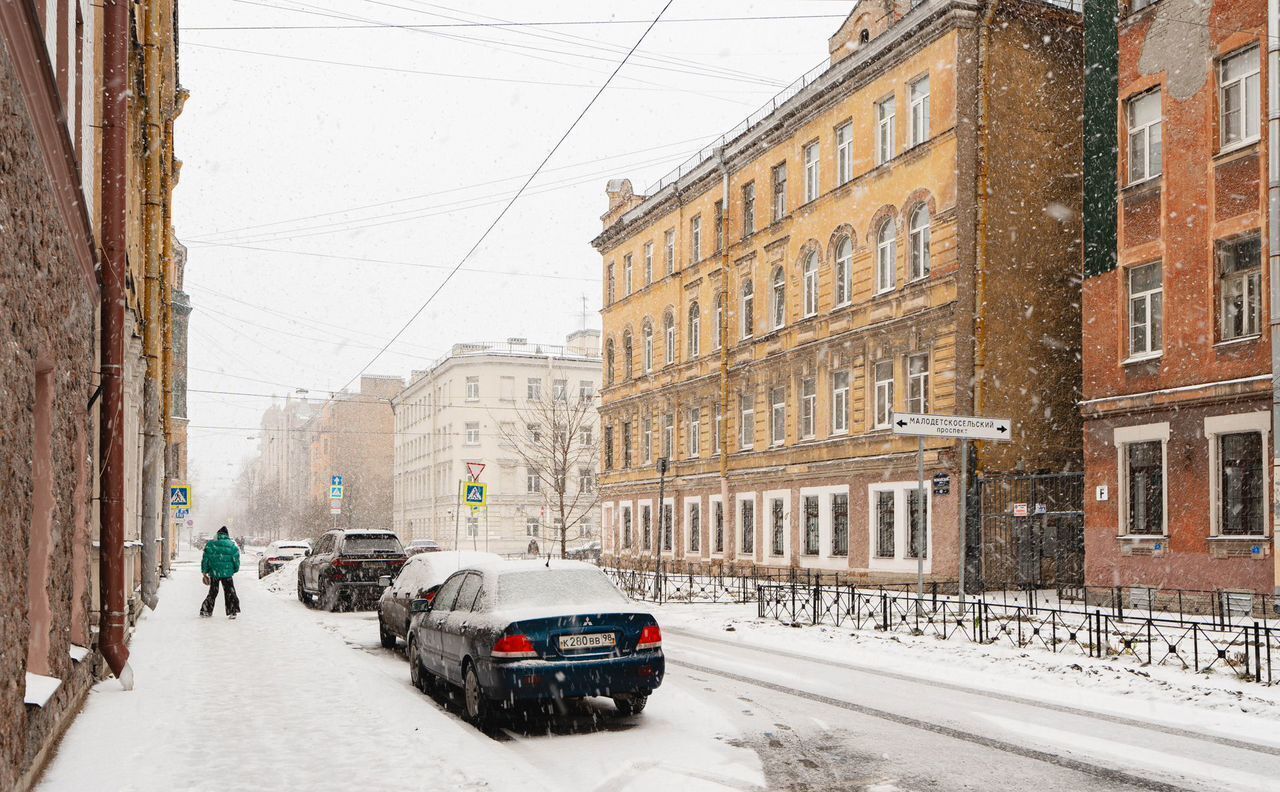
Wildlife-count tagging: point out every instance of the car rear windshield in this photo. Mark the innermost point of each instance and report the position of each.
(370, 543)
(543, 587)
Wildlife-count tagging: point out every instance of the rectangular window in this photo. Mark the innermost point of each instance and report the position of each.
(812, 172)
(646, 527)
(777, 527)
(885, 520)
(778, 416)
(719, 429)
(918, 383)
(811, 532)
(1146, 310)
(918, 96)
(695, 432)
(669, 252)
(586, 390)
(1145, 136)
(695, 239)
(918, 530)
(626, 274)
(883, 394)
(1144, 479)
(533, 390)
(532, 481)
(695, 527)
(748, 209)
(839, 402)
(747, 422)
(669, 435)
(584, 436)
(885, 129)
(747, 520)
(1241, 486)
(646, 440)
(648, 263)
(840, 524)
(844, 153)
(1240, 97)
(473, 525)
(533, 528)
(586, 482)
(779, 191)
(717, 518)
(626, 445)
(626, 528)
(719, 229)
(473, 388)
(473, 433)
(608, 448)
(667, 527)
(1240, 287)
(560, 390)
(611, 287)
(808, 408)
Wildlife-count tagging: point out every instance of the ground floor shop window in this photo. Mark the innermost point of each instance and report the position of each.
(1144, 482)
(747, 510)
(884, 523)
(900, 526)
(840, 525)
(811, 524)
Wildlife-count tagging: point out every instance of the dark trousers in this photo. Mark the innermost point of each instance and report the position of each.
(228, 596)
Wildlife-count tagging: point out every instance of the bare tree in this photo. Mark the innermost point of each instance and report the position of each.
(555, 437)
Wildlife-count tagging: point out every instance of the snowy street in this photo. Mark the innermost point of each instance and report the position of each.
(292, 698)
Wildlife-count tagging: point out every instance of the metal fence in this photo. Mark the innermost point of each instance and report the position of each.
(1244, 650)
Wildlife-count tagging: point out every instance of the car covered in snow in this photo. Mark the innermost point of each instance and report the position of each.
(420, 578)
(530, 631)
(277, 554)
(422, 546)
(345, 568)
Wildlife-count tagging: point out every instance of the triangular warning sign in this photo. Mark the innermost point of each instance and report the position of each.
(474, 469)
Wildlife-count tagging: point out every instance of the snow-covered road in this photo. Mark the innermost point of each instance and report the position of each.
(292, 698)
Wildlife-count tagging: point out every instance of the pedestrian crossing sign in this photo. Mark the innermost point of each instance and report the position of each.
(474, 494)
(180, 496)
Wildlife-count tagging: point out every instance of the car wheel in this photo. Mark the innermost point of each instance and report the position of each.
(385, 635)
(479, 708)
(302, 595)
(329, 598)
(631, 703)
(419, 676)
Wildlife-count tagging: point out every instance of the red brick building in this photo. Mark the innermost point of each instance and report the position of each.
(1177, 358)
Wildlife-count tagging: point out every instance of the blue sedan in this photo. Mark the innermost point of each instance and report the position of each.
(509, 632)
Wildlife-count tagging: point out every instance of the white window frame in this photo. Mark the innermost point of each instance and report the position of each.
(675, 527)
(840, 402)
(1122, 437)
(808, 408)
(1147, 297)
(778, 298)
(626, 514)
(712, 502)
(779, 187)
(746, 422)
(770, 496)
(669, 435)
(920, 241)
(695, 239)
(695, 432)
(900, 562)
(812, 171)
(918, 403)
(738, 533)
(882, 394)
(886, 129)
(777, 416)
(717, 441)
(809, 268)
(472, 430)
(748, 308)
(648, 263)
(844, 153)
(748, 209)
(639, 527)
(886, 256)
(647, 332)
(824, 559)
(919, 108)
(646, 439)
(669, 330)
(473, 389)
(627, 271)
(669, 241)
(690, 503)
(844, 272)
(1239, 423)
(1152, 160)
(695, 330)
(1251, 280)
(533, 389)
(1249, 85)
(717, 329)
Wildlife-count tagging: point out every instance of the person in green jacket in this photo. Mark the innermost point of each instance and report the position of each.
(221, 560)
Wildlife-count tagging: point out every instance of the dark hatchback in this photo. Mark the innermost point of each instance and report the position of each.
(533, 631)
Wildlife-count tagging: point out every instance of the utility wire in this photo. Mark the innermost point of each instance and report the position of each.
(515, 197)
(522, 24)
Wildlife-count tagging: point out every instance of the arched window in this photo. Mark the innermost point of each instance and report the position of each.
(920, 242)
(669, 327)
(864, 36)
(886, 256)
(695, 330)
(748, 308)
(844, 271)
(779, 298)
(627, 359)
(717, 330)
(608, 362)
(810, 270)
(648, 345)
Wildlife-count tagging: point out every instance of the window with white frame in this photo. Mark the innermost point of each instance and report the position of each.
(646, 527)
(668, 526)
(844, 153)
(1239, 477)
(532, 526)
(693, 521)
(695, 432)
(586, 481)
(532, 481)
(560, 390)
(747, 525)
(777, 527)
(472, 429)
(748, 305)
(810, 284)
(473, 525)
(840, 524)
(533, 389)
(1146, 310)
(1146, 135)
(717, 526)
(808, 408)
(584, 436)
(883, 411)
(646, 440)
(669, 329)
(717, 431)
(779, 191)
(627, 356)
(886, 256)
(1240, 287)
(899, 522)
(611, 284)
(748, 209)
(840, 402)
(648, 263)
(695, 330)
(844, 272)
(473, 388)
(778, 298)
(719, 229)
(669, 435)
(626, 274)
(778, 416)
(586, 390)
(746, 421)
(812, 172)
(647, 334)
(886, 128)
(812, 528)
(669, 253)
(1144, 478)
(1240, 98)
(919, 233)
(717, 329)
(918, 97)
(695, 239)
(918, 383)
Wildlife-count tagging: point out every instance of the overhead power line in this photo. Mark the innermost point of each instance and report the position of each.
(518, 24)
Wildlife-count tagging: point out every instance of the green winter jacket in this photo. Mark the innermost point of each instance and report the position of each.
(221, 558)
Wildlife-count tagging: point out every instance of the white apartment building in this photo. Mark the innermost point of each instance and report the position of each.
(461, 410)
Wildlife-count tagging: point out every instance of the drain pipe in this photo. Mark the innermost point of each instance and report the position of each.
(115, 92)
(1273, 254)
(722, 240)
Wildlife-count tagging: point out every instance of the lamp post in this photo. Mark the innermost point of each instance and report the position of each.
(661, 529)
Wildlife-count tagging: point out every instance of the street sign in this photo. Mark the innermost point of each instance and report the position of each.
(335, 481)
(181, 514)
(941, 484)
(474, 469)
(180, 496)
(961, 426)
(335, 510)
(1019, 510)
(474, 494)
(335, 492)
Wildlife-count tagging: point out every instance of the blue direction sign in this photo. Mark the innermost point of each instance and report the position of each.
(181, 514)
(335, 481)
(180, 496)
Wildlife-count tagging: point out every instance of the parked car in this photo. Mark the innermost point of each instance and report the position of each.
(280, 553)
(420, 577)
(587, 552)
(422, 546)
(345, 566)
(534, 631)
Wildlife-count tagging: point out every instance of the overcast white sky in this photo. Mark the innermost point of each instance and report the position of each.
(332, 177)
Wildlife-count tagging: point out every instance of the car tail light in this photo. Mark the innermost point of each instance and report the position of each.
(513, 646)
(431, 597)
(650, 638)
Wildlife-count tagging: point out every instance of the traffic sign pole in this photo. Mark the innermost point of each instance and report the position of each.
(922, 513)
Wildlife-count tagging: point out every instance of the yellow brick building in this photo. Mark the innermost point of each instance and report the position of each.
(900, 233)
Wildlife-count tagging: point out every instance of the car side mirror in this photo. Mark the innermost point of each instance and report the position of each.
(384, 581)
(421, 605)
(306, 553)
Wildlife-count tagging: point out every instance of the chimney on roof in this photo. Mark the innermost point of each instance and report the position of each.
(621, 199)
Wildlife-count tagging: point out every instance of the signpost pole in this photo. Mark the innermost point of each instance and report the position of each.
(964, 512)
(457, 515)
(922, 516)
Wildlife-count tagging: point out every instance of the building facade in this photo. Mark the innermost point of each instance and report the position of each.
(897, 233)
(490, 403)
(1177, 355)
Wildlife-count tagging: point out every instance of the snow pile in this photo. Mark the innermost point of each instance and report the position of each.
(284, 581)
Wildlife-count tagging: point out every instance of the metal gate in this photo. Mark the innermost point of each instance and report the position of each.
(1031, 530)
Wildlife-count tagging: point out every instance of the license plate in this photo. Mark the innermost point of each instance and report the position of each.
(588, 641)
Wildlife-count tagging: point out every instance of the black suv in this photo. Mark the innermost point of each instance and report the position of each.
(344, 567)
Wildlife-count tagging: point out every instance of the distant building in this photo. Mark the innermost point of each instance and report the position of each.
(466, 408)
